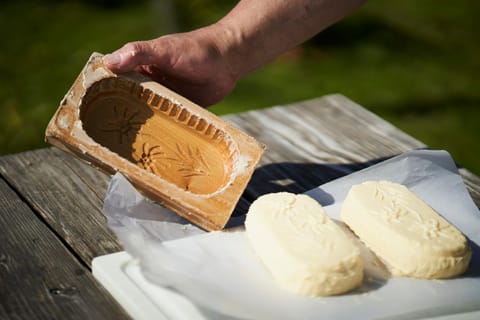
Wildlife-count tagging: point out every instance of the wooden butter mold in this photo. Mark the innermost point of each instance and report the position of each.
(174, 151)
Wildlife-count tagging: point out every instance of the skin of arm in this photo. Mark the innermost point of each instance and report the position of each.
(205, 64)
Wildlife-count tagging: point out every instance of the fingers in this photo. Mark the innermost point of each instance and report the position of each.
(131, 56)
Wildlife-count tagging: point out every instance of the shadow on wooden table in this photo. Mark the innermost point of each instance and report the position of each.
(295, 177)
(298, 177)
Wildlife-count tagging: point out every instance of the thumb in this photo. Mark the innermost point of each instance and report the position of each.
(130, 56)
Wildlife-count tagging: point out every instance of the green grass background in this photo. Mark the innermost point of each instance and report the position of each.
(414, 63)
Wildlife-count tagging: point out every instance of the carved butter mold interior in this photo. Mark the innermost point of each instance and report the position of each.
(158, 135)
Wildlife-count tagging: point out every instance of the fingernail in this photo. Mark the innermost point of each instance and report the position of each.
(111, 59)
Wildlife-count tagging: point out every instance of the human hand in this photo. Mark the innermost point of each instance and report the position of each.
(204, 65)
(190, 64)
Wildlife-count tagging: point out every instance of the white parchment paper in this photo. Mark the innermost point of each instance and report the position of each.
(219, 272)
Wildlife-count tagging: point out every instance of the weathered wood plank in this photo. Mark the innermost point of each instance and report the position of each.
(95, 179)
(312, 142)
(63, 199)
(39, 277)
(331, 130)
(472, 182)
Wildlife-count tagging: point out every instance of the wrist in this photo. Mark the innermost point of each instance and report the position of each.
(232, 47)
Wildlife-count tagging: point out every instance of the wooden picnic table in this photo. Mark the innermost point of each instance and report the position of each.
(52, 224)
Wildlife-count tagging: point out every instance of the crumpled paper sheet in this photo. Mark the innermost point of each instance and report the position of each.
(220, 274)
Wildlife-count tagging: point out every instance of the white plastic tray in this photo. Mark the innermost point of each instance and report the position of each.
(142, 300)
(236, 285)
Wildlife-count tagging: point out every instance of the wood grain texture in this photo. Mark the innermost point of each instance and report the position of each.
(61, 196)
(312, 142)
(94, 179)
(332, 129)
(472, 182)
(39, 277)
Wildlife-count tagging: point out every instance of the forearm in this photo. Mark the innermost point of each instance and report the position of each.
(257, 31)
(205, 64)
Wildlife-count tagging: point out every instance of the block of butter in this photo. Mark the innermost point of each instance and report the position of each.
(406, 233)
(305, 251)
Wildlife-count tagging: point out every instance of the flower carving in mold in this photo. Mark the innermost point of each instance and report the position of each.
(124, 124)
(149, 158)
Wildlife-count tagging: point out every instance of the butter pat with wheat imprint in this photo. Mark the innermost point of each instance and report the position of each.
(405, 232)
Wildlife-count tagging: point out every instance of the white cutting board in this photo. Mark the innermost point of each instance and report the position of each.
(237, 285)
(142, 300)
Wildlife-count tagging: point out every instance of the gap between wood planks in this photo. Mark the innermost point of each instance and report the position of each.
(45, 222)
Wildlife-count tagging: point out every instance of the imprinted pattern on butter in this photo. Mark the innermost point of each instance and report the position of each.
(397, 208)
(434, 229)
(306, 225)
(123, 123)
